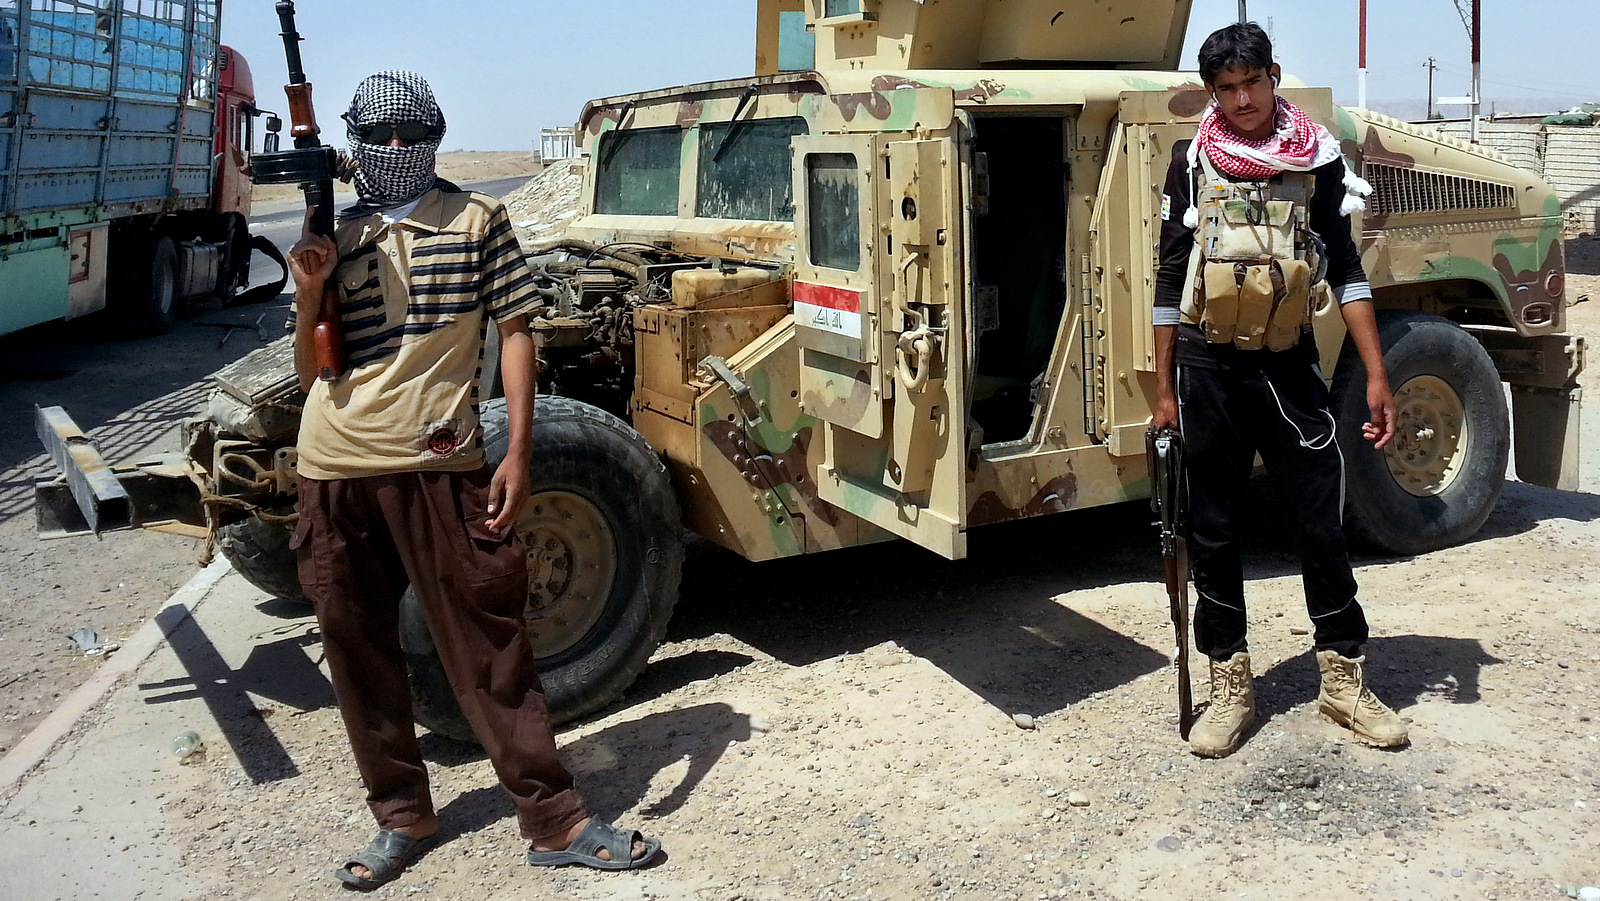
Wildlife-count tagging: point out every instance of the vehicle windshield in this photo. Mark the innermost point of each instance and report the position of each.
(638, 172)
(744, 169)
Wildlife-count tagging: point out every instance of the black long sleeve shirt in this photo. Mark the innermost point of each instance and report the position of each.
(1345, 274)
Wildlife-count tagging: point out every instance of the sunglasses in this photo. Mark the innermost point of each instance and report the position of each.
(410, 132)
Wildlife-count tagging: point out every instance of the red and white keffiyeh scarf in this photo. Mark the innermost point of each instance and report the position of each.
(1296, 145)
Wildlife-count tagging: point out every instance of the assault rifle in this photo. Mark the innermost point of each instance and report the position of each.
(1169, 500)
(313, 167)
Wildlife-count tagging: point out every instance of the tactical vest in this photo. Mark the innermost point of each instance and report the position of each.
(1258, 273)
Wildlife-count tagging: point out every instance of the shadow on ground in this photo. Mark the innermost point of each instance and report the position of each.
(1401, 670)
(990, 621)
(614, 768)
(278, 668)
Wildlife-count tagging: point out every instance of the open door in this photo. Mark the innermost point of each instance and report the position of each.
(880, 322)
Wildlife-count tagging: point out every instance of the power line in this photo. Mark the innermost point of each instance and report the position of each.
(1525, 87)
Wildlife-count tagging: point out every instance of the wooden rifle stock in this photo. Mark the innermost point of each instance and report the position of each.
(315, 166)
(327, 337)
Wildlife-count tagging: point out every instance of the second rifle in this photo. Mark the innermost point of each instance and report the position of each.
(1169, 500)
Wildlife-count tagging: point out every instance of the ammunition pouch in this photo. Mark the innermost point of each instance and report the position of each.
(1257, 273)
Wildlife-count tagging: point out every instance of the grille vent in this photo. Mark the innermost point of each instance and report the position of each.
(1397, 191)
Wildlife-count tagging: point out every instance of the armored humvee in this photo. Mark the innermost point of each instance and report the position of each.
(898, 284)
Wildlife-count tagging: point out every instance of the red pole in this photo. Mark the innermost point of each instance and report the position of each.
(1361, 72)
(1364, 33)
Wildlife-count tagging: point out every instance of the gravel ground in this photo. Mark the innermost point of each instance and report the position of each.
(846, 726)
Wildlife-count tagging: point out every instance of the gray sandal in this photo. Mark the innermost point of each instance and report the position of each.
(385, 857)
(585, 849)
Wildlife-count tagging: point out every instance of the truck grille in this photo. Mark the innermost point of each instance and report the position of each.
(1397, 191)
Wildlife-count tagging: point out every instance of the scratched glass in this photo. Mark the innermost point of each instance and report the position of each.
(744, 170)
(638, 172)
(833, 210)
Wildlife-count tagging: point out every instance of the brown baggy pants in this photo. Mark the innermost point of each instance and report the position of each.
(359, 543)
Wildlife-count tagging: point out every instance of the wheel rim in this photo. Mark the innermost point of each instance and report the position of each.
(163, 286)
(572, 564)
(1431, 439)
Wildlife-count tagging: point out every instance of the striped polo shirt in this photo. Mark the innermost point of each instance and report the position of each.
(417, 298)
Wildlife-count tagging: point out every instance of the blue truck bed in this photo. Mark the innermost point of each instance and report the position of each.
(105, 112)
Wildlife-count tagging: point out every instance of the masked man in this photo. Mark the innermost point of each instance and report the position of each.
(395, 491)
(1237, 370)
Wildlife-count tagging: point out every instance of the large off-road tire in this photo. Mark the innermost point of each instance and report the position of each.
(1438, 480)
(601, 528)
(260, 552)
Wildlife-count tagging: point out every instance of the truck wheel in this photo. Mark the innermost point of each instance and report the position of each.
(159, 307)
(601, 529)
(1438, 480)
(260, 552)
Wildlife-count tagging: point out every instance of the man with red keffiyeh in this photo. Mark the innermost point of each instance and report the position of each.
(1235, 390)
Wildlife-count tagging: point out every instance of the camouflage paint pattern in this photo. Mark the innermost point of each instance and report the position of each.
(761, 475)
(1513, 252)
(747, 483)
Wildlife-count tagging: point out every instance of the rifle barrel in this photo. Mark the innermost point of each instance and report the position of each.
(291, 42)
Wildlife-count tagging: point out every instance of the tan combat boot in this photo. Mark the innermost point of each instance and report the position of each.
(1346, 700)
(1233, 708)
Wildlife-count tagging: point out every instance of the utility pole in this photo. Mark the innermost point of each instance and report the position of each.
(1361, 72)
(1475, 32)
(1243, 15)
(1432, 66)
(1477, 66)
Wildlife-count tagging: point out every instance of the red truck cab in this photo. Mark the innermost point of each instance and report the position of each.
(235, 137)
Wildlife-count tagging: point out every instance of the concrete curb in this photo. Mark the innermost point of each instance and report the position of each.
(32, 751)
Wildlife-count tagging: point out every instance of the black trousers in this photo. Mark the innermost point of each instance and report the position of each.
(1227, 416)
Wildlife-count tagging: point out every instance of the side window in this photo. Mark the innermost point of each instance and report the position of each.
(833, 207)
(638, 172)
(744, 169)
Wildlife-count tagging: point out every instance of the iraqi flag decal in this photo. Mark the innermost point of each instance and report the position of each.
(833, 310)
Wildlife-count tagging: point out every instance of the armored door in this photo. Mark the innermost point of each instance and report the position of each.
(879, 290)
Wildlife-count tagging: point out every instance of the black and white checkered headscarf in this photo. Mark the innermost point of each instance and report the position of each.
(392, 175)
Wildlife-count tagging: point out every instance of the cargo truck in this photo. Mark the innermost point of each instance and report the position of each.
(125, 137)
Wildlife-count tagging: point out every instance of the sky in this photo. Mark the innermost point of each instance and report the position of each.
(503, 69)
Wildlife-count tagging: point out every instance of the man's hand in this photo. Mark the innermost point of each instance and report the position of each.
(1380, 405)
(1165, 415)
(311, 261)
(508, 491)
(1362, 324)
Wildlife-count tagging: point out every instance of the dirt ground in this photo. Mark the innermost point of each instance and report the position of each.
(842, 726)
(458, 166)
